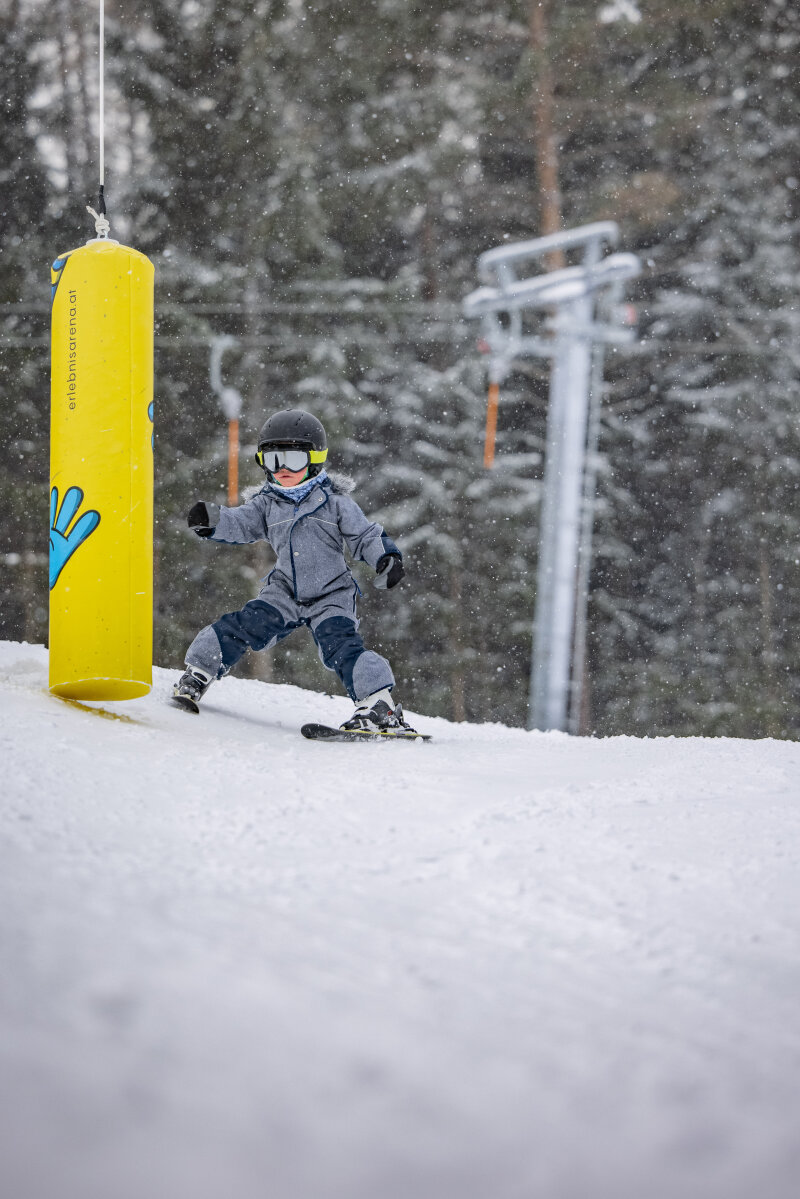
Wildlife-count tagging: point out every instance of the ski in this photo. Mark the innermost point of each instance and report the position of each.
(323, 732)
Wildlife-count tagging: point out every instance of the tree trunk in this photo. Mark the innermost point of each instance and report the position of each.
(769, 656)
(458, 699)
(430, 273)
(544, 138)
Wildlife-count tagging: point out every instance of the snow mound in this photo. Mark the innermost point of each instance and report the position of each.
(501, 965)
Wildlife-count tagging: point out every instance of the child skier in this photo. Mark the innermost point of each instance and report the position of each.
(308, 521)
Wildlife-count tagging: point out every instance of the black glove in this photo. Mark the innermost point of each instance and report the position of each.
(203, 518)
(390, 570)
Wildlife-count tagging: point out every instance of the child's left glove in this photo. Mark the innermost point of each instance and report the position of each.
(390, 571)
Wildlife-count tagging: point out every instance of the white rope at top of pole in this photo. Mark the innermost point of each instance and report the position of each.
(101, 224)
(102, 93)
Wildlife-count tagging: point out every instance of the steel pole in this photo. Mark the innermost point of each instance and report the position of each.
(561, 518)
(585, 547)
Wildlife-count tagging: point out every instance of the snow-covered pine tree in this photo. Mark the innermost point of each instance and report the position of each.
(30, 53)
(697, 577)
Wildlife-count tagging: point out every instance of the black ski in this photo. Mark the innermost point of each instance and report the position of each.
(323, 732)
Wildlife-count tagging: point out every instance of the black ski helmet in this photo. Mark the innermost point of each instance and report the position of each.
(296, 430)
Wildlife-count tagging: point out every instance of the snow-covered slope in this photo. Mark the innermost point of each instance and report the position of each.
(503, 965)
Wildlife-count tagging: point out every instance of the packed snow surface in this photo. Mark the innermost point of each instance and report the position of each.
(501, 965)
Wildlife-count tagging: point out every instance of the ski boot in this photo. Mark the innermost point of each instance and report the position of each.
(190, 688)
(378, 714)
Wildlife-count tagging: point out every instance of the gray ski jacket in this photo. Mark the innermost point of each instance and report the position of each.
(308, 537)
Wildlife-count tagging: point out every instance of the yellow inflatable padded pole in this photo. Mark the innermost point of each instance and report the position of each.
(101, 481)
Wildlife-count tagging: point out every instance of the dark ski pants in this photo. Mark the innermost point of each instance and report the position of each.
(260, 624)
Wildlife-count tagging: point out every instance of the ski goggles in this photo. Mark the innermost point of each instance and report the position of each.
(275, 458)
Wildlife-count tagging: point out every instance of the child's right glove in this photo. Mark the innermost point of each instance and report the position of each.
(203, 518)
(390, 571)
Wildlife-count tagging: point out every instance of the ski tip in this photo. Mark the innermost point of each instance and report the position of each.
(321, 732)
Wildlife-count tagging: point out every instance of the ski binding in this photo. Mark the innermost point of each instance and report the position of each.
(185, 701)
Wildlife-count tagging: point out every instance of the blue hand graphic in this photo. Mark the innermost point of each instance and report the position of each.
(63, 544)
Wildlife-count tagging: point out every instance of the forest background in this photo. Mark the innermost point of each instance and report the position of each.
(317, 180)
